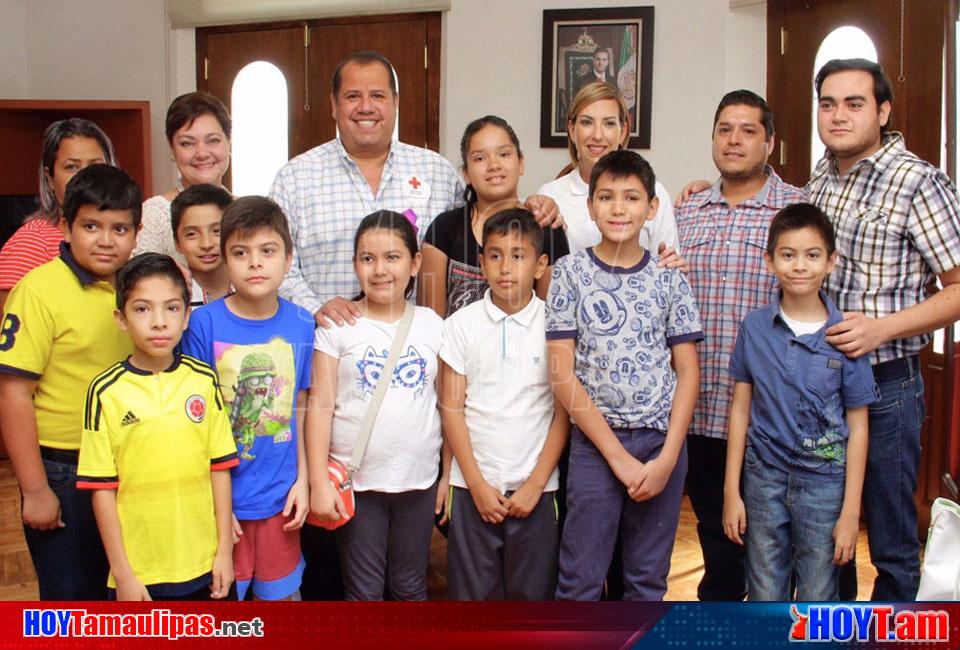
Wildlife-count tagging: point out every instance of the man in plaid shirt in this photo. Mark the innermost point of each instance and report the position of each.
(898, 228)
(326, 191)
(723, 233)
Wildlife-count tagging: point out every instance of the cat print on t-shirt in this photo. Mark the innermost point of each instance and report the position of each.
(410, 372)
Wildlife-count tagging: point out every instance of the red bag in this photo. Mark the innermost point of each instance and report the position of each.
(339, 473)
(343, 486)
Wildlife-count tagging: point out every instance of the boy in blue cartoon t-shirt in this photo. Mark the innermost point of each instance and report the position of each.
(615, 321)
(262, 348)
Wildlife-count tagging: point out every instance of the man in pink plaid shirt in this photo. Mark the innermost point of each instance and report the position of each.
(723, 232)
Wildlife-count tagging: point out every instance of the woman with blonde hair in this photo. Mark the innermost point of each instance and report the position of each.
(597, 123)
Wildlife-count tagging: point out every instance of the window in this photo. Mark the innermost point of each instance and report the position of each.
(842, 43)
(259, 104)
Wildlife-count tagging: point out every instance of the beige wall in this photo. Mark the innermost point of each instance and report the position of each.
(13, 49)
(701, 49)
(124, 49)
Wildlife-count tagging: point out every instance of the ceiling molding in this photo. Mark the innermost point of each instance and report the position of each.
(203, 13)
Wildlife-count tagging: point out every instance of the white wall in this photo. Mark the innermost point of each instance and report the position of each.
(102, 49)
(124, 49)
(13, 49)
(695, 62)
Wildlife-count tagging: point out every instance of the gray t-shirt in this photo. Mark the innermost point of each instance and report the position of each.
(624, 321)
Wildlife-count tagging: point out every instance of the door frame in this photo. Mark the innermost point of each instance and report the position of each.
(432, 56)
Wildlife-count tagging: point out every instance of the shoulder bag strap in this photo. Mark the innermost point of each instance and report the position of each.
(386, 375)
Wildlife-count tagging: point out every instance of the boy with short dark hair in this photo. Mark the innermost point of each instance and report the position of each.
(504, 425)
(195, 216)
(157, 448)
(802, 462)
(262, 347)
(615, 324)
(57, 332)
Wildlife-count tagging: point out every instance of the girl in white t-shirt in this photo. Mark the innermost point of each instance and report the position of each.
(395, 486)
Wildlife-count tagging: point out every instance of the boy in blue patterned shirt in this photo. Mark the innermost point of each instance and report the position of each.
(615, 322)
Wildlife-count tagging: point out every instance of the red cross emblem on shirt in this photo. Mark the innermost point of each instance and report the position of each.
(414, 183)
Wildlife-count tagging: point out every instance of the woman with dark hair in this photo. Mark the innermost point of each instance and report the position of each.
(68, 146)
(198, 129)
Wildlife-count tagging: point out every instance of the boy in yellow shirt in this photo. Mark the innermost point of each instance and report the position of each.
(58, 331)
(157, 449)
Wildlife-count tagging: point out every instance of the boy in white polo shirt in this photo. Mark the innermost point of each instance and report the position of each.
(504, 425)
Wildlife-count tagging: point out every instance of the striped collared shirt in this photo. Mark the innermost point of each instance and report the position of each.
(325, 196)
(724, 246)
(897, 223)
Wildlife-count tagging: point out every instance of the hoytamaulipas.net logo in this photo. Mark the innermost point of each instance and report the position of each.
(155, 623)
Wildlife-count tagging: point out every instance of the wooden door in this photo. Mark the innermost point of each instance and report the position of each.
(307, 52)
(795, 30)
(909, 38)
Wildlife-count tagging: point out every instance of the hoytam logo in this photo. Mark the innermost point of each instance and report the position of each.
(196, 406)
(868, 623)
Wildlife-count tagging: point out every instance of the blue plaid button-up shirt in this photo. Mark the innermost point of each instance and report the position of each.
(325, 196)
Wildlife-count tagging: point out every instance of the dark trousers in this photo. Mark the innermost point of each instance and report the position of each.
(724, 575)
(613, 587)
(172, 593)
(387, 545)
(513, 560)
(70, 561)
(322, 579)
(598, 509)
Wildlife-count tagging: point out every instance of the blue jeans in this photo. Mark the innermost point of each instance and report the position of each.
(893, 461)
(598, 509)
(70, 561)
(790, 522)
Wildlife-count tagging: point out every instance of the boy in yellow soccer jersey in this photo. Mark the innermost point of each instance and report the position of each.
(58, 331)
(157, 449)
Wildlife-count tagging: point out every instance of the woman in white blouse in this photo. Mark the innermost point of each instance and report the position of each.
(597, 123)
(198, 131)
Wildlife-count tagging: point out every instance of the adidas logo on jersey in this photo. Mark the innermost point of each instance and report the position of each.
(129, 419)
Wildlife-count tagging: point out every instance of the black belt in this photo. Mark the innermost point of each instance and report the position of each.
(66, 456)
(897, 368)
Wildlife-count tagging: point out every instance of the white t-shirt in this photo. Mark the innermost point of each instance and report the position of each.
(570, 193)
(509, 404)
(800, 327)
(404, 449)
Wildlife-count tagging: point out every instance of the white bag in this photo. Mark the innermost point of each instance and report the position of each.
(940, 577)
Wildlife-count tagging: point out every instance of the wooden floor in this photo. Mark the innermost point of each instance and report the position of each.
(18, 581)
(686, 566)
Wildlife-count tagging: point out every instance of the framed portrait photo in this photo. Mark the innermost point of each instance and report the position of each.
(580, 46)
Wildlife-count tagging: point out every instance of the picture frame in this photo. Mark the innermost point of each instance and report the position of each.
(574, 43)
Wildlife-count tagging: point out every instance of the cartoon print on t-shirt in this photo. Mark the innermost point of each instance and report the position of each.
(410, 371)
(258, 383)
(604, 312)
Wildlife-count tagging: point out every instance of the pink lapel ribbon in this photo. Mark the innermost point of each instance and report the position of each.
(412, 218)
